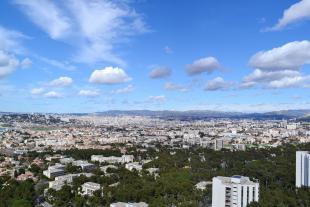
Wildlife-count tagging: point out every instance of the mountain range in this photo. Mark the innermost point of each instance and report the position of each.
(303, 115)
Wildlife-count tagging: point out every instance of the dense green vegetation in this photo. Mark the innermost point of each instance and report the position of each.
(179, 172)
(16, 194)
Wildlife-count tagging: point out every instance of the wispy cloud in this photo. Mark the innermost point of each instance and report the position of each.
(89, 93)
(37, 91)
(157, 99)
(127, 89)
(94, 27)
(11, 41)
(65, 65)
(297, 12)
(176, 87)
(244, 107)
(168, 50)
(8, 63)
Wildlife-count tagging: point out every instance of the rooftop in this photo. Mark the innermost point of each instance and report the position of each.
(236, 179)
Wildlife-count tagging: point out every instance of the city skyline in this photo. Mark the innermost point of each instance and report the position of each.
(90, 56)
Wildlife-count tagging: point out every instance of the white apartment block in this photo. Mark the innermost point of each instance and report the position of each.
(112, 159)
(84, 165)
(218, 144)
(302, 169)
(122, 204)
(133, 165)
(291, 126)
(54, 171)
(235, 191)
(89, 188)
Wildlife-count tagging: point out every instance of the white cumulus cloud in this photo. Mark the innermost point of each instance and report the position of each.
(217, 83)
(160, 72)
(207, 64)
(53, 95)
(275, 79)
(265, 76)
(291, 56)
(287, 82)
(109, 75)
(61, 82)
(279, 67)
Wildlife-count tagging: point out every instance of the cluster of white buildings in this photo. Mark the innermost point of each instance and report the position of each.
(60, 181)
(100, 132)
(57, 172)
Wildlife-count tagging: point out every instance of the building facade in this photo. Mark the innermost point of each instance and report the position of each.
(122, 204)
(235, 191)
(302, 169)
(89, 188)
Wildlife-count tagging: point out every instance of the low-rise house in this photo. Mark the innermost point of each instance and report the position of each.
(38, 162)
(27, 175)
(202, 185)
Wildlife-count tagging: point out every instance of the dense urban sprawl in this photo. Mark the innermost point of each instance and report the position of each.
(90, 160)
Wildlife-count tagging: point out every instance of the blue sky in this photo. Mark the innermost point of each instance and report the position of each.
(88, 56)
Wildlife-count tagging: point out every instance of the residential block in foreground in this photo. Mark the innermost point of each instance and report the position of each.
(235, 191)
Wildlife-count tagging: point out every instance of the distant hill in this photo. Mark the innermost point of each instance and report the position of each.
(300, 115)
(207, 114)
(305, 118)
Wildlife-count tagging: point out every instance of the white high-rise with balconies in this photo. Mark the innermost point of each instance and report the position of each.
(302, 169)
(235, 191)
